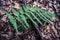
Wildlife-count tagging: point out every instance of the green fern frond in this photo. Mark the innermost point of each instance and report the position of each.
(35, 14)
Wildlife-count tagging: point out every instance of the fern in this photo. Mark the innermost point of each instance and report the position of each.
(12, 20)
(32, 13)
(18, 16)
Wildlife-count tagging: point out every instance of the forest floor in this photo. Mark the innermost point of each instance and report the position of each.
(49, 32)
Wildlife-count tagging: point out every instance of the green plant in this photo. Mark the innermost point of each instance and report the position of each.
(32, 13)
